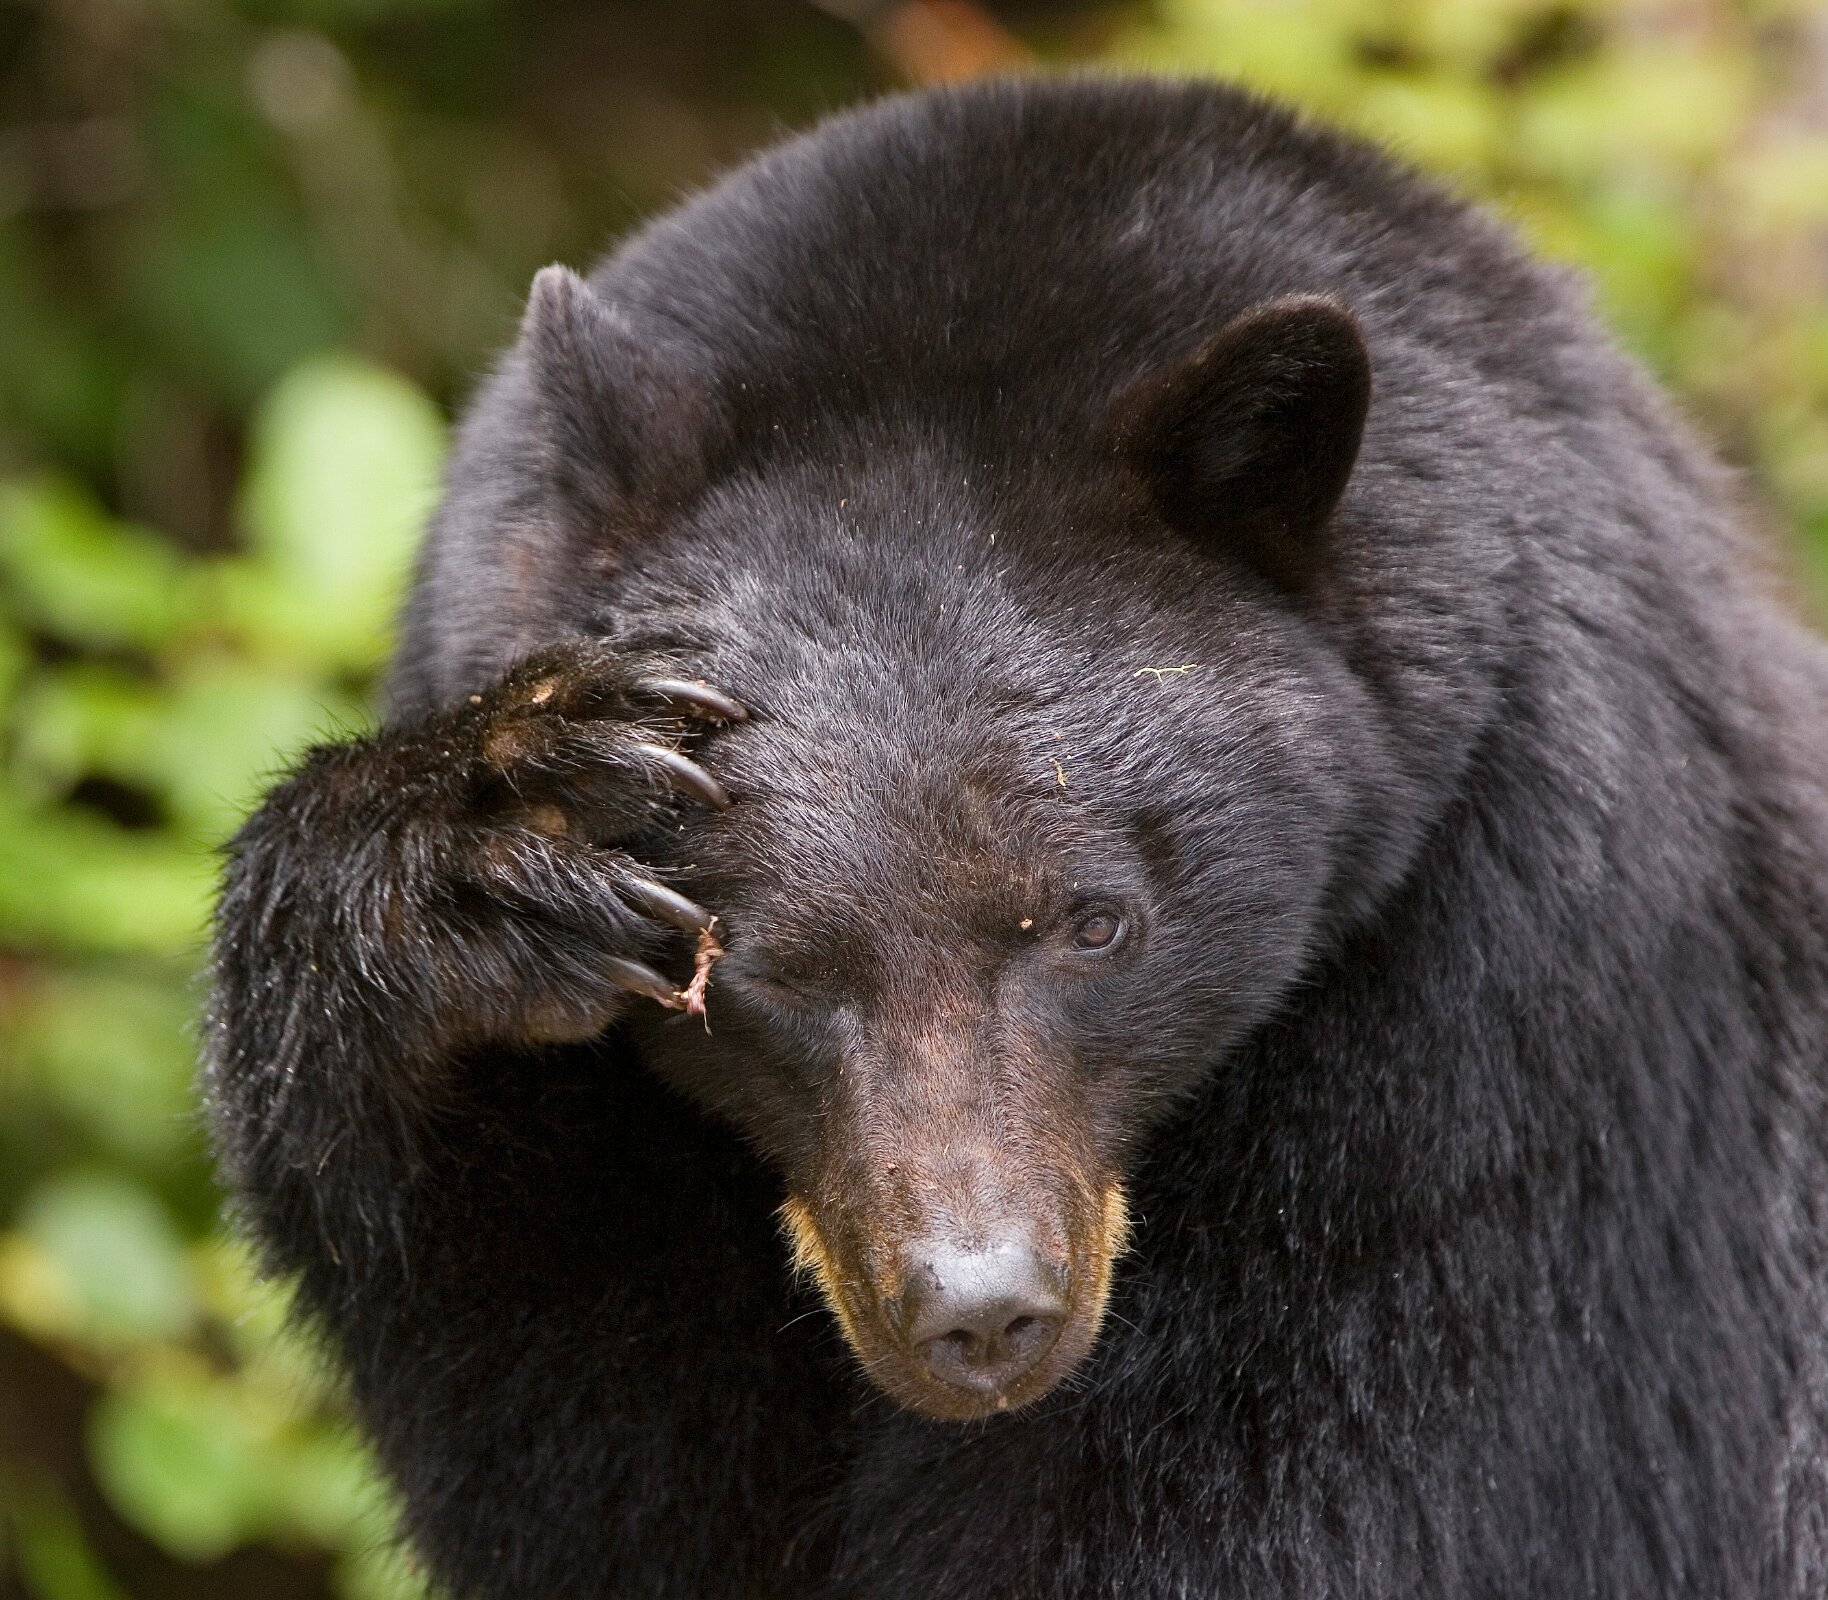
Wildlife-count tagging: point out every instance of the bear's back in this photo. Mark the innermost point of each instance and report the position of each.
(1026, 247)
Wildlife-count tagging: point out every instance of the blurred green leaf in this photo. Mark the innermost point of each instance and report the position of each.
(205, 745)
(54, 1559)
(75, 572)
(1449, 126)
(113, 1053)
(325, 1488)
(181, 1465)
(228, 731)
(1666, 105)
(72, 882)
(109, 1262)
(1300, 51)
(84, 719)
(202, 1461)
(1783, 182)
(15, 659)
(342, 476)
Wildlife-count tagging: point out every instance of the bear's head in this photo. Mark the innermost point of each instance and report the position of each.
(1052, 786)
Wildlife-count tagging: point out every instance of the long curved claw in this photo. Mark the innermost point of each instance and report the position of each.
(685, 775)
(670, 906)
(696, 698)
(638, 978)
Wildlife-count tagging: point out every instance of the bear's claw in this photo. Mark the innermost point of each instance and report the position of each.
(670, 906)
(695, 698)
(639, 978)
(685, 776)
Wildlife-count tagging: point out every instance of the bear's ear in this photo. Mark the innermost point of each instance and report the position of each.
(624, 425)
(1250, 440)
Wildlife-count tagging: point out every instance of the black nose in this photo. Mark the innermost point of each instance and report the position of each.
(980, 1319)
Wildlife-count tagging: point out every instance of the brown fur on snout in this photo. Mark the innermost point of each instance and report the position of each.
(935, 1145)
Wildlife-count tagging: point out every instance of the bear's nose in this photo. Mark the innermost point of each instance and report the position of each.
(980, 1319)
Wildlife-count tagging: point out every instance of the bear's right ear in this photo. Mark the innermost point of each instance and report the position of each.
(1249, 442)
(624, 427)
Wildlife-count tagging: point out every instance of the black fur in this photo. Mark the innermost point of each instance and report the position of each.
(1468, 1061)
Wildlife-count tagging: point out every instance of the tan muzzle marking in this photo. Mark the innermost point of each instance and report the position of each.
(813, 1258)
(1115, 1239)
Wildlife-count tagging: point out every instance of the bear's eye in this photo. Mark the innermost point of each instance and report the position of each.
(1100, 931)
(792, 990)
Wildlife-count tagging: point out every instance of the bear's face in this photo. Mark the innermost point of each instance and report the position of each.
(1010, 868)
(1050, 788)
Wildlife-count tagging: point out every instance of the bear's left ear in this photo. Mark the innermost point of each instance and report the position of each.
(1249, 442)
(626, 426)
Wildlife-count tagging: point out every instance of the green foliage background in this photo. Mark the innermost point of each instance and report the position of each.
(252, 251)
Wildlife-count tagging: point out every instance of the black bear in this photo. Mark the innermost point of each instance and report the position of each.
(1101, 721)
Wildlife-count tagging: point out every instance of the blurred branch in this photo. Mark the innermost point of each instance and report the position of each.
(934, 41)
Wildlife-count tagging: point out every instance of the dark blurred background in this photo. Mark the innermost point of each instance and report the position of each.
(252, 252)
